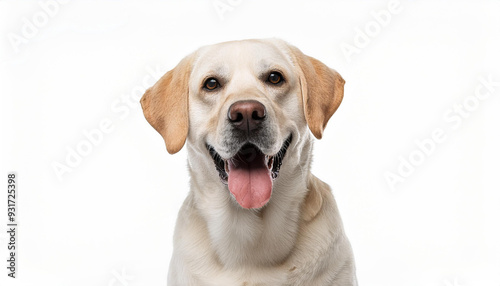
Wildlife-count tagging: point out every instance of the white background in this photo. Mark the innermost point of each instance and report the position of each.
(113, 215)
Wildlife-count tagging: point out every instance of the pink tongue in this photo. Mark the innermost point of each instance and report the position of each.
(249, 179)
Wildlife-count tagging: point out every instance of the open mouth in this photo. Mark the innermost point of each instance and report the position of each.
(250, 173)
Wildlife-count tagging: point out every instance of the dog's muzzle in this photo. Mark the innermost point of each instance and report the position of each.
(250, 173)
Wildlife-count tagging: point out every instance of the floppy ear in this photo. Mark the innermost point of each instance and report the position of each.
(165, 106)
(322, 91)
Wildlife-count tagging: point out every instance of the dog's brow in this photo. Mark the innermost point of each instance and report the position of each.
(264, 72)
(218, 71)
(267, 65)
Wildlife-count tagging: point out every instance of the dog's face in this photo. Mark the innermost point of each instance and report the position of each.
(243, 105)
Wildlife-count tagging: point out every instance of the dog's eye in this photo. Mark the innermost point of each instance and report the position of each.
(275, 78)
(211, 84)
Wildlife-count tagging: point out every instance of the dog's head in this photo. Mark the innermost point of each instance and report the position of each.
(246, 105)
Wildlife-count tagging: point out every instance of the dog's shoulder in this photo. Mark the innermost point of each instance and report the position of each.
(318, 194)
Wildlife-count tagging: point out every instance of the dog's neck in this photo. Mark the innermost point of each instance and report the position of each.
(242, 237)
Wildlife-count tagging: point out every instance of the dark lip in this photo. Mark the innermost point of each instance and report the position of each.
(277, 159)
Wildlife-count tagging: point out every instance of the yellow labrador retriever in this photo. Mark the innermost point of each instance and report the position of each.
(255, 215)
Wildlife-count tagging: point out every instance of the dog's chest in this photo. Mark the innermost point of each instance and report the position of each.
(243, 239)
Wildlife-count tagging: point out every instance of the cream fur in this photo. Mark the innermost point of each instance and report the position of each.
(298, 237)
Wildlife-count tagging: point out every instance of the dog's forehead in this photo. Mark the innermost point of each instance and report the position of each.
(237, 55)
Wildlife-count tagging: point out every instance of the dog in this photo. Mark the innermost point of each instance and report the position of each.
(247, 112)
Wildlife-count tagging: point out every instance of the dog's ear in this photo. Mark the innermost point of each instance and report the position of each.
(165, 105)
(322, 91)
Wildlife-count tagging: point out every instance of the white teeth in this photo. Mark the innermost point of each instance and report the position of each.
(226, 166)
(270, 162)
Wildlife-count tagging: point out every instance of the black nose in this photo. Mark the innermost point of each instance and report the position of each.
(246, 114)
